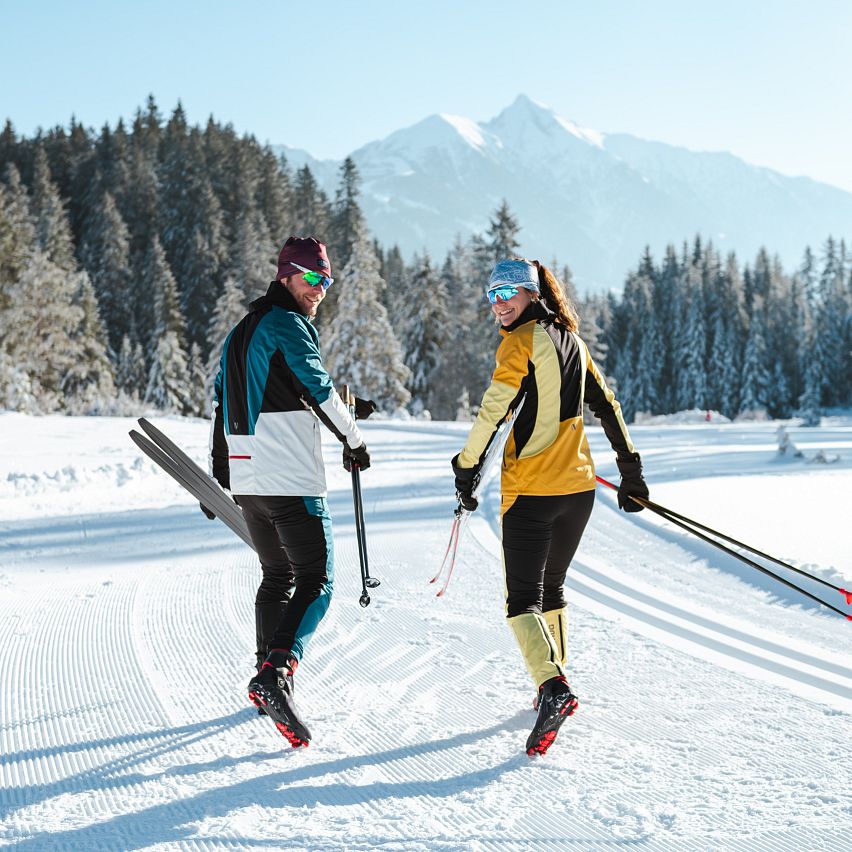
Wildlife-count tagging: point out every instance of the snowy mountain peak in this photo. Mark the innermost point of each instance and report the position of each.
(435, 131)
(467, 128)
(525, 119)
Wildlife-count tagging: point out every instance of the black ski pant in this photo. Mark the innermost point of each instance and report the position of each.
(540, 538)
(292, 536)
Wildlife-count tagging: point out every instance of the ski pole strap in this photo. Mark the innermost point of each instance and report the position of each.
(683, 524)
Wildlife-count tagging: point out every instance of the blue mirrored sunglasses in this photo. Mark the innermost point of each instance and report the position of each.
(314, 278)
(504, 292)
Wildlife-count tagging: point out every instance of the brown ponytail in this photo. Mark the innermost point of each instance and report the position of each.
(555, 299)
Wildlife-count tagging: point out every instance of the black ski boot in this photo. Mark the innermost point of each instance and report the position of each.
(271, 690)
(556, 703)
(267, 617)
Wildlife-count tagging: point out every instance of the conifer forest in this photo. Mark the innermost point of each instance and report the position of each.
(126, 255)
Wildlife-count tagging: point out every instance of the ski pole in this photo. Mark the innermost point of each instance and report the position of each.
(662, 509)
(682, 521)
(460, 521)
(493, 451)
(360, 530)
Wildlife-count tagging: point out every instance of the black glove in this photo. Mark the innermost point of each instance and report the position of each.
(466, 479)
(222, 474)
(359, 457)
(364, 408)
(632, 483)
(211, 516)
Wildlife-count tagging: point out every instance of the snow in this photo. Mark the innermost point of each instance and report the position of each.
(593, 137)
(714, 703)
(467, 128)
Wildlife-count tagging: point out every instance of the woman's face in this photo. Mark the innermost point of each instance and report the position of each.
(507, 312)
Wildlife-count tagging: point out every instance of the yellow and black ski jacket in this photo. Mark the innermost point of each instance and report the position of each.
(547, 452)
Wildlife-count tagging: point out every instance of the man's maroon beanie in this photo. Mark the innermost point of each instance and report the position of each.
(306, 251)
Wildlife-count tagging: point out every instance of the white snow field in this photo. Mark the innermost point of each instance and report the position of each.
(714, 703)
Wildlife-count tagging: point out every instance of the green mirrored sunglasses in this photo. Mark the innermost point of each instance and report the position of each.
(314, 278)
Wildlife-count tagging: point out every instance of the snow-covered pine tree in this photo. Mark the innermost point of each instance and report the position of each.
(668, 288)
(37, 327)
(502, 233)
(49, 314)
(253, 252)
(634, 314)
(106, 257)
(82, 175)
(275, 195)
(756, 378)
(312, 213)
(693, 385)
(473, 337)
(52, 226)
(200, 250)
(472, 267)
(17, 231)
(425, 337)
(197, 379)
(785, 314)
(345, 223)
(130, 376)
(831, 326)
(168, 375)
(140, 208)
(347, 220)
(112, 153)
(88, 387)
(393, 275)
(594, 316)
(809, 401)
(230, 309)
(361, 347)
(646, 388)
(17, 241)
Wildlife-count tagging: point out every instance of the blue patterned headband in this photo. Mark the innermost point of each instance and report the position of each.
(518, 273)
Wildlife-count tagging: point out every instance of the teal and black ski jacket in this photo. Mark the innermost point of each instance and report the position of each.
(271, 391)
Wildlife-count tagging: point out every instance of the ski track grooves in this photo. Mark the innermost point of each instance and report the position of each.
(124, 706)
(592, 579)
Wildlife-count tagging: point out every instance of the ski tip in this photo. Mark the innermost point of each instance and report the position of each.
(847, 595)
(440, 593)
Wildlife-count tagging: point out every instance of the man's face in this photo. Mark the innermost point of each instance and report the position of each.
(307, 295)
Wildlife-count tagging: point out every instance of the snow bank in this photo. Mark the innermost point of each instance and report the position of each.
(694, 415)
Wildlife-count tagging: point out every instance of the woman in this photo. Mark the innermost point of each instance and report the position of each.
(548, 483)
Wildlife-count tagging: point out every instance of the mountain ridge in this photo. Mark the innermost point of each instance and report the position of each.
(594, 200)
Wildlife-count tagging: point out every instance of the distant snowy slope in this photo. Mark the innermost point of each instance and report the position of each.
(593, 200)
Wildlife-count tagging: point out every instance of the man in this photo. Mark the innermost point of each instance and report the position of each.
(270, 395)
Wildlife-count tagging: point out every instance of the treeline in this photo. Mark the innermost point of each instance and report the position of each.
(698, 331)
(127, 255)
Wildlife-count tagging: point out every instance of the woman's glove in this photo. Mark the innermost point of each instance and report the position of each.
(466, 478)
(632, 483)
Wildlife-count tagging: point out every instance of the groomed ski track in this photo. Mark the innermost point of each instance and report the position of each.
(712, 715)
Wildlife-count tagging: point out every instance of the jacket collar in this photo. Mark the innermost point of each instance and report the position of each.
(535, 311)
(279, 295)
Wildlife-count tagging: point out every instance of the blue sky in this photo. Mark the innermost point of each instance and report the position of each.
(770, 81)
